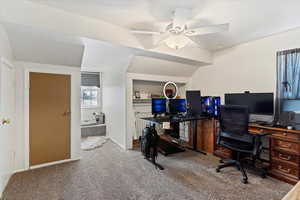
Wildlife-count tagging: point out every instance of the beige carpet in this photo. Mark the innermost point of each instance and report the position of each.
(109, 173)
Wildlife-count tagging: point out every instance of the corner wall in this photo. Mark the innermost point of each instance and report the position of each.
(112, 62)
(247, 67)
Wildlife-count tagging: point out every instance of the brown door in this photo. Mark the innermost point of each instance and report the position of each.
(49, 117)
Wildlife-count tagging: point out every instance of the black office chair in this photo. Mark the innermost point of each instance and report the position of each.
(234, 135)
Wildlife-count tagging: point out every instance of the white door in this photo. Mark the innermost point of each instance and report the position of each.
(7, 119)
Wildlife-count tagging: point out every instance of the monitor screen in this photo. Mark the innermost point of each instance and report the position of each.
(194, 104)
(159, 106)
(258, 103)
(177, 106)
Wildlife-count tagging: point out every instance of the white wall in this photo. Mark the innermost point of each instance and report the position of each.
(5, 47)
(114, 106)
(112, 62)
(22, 151)
(250, 66)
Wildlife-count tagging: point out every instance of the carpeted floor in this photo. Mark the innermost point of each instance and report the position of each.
(109, 173)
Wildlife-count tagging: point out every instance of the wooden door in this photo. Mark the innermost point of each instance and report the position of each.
(7, 122)
(49, 117)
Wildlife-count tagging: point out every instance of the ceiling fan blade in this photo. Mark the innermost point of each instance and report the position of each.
(207, 30)
(145, 32)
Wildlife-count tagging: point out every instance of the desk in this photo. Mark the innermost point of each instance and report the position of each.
(284, 151)
(193, 120)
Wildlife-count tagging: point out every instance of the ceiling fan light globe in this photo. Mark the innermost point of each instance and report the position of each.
(177, 42)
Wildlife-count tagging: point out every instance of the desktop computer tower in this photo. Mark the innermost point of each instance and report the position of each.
(217, 104)
(211, 106)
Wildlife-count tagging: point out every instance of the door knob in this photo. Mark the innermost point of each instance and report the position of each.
(5, 121)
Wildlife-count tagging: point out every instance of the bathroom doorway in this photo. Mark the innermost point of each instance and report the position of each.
(93, 128)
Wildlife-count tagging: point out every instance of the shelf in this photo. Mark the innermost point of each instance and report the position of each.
(141, 101)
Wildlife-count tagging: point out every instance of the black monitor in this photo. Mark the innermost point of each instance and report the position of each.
(159, 106)
(258, 103)
(194, 104)
(177, 106)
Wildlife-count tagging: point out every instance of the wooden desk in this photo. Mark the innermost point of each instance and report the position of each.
(284, 148)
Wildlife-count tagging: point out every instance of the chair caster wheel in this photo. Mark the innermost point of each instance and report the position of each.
(245, 181)
(217, 170)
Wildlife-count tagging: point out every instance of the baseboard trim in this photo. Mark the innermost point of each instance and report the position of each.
(54, 163)
(117, 143)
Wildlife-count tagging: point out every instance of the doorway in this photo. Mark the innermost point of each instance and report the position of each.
(93, 128)
(49, 118)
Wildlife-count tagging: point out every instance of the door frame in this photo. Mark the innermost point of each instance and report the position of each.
(75, 110)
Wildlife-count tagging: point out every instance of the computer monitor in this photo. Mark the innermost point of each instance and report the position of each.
(159, 106)
(194, 104)
(177, 106)
(260, 104)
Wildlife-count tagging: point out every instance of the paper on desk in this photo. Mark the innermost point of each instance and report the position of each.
(166, 125)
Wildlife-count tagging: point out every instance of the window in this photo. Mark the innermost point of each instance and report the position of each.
(288, 74)
(90, 97)
(90, 90)
(288, 81)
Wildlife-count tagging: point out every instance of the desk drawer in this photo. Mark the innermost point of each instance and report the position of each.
(286, 146)
(255, 130)
(285, 135)
(284, 157)
(286, 169)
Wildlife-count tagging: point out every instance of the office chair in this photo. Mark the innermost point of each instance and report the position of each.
(234, 135)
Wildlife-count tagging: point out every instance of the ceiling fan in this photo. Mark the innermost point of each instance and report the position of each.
(177, 34)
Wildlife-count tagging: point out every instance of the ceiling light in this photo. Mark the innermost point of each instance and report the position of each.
(177, 41)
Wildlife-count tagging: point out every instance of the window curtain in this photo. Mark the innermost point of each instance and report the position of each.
(288, 77)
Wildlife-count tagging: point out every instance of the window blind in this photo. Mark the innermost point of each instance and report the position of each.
(90, 79)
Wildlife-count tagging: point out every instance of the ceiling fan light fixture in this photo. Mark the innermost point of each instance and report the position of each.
(177, 41)
(189, 32)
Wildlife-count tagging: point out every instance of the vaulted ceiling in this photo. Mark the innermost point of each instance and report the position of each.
(57, 30)
(248, 20)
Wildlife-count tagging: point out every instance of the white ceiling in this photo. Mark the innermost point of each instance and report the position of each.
(148, 65)
(249, 19)
(39, 46)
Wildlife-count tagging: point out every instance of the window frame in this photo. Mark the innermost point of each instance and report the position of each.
(99, 96)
